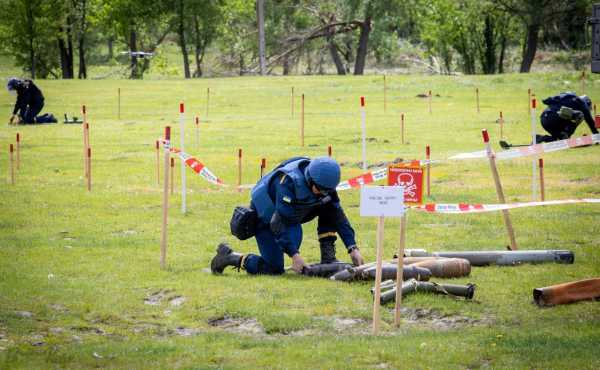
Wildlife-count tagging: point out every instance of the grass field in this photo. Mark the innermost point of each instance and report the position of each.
(78, 269)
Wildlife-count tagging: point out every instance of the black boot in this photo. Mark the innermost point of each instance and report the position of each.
(328, 251)
(225, 257)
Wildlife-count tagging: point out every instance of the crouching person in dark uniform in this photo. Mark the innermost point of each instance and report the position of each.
(30, 102)
(295, 192)
(564, 113)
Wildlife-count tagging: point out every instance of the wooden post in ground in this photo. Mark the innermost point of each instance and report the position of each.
(239, 182)
(157, 163)
(399, 270)
(89, 168)
(428, 169)
(477, 98)
(377, 298)
(18, 151)
(499, 191)
(86, 144)
(594, 110)
(329, 151)
(429, 100)
(302, 123)
(207, 100)
(86, 139)
(529, 100)
(12, 164)
(197, 133)
(163, 239)
(363, 120)
(119, 103)
(292, 102)
(402, 126)
(542, 187)
(172, 177)
(263, 165)
(384, 95)
(582, 83)
(501, 125)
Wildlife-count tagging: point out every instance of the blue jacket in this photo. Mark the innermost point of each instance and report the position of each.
(572, 101)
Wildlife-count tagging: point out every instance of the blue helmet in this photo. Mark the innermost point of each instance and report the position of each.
(13, 83)
(586, 99)
(324, 172)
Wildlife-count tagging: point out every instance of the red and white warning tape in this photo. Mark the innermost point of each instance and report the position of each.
(478, 208)
(536, 149)
(198, 167)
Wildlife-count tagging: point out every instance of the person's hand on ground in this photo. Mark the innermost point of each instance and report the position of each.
(298, 263)
(11, 120)
(357, 258)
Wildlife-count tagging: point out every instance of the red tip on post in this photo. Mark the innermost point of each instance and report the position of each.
(533, 103)
(486, 136)
(11, 148)
(18, 137)
(541, 162)
(263, 163)
(329, 150)
(427, 151)
(181, 110)
(362, 101)
(168, 133)
(240, 153)
(83, 108)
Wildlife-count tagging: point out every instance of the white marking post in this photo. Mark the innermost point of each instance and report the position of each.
(534, 160)
(18, 151)
(381, 201)
(542, 187)
(172, 177)
(363, 117)
(499, 191)
(182, 143)
(163, 239)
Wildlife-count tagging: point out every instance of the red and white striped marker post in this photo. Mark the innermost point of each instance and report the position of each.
(542, 187)
(89, 168)
(18, 151)
(182, 143)
(384, 94)
(207, 100)
(163, 239)
(292, 102)
(302, 122)
(400, 270)
(239, 182)
(197, 133)
(329, 151)
(477, 98)
(263, 165)
(402, 126)
(534, 160)
(157, 163)
(363, 118)
(501, 121)
(12, 165)
(172, 177)
(428, 167)
(429, 100)
(119, 103)
(499, 191)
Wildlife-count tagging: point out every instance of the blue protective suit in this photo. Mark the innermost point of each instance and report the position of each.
(558, 127)
(284, 201)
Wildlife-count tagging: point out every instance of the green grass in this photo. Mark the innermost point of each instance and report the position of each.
(83, 263)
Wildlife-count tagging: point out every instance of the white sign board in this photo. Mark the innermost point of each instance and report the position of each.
(378, 201)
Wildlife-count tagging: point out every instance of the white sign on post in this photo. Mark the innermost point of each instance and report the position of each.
(378, 201)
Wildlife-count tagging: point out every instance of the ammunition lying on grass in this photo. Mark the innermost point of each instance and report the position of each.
(367, 272)
(325, 269)
(503, 258)
(411, 286)
(446, 267)
(567, 293)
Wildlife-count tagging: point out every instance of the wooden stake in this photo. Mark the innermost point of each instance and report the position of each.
(197, 133)
(207, 100)
(18, 151)
(363, 120)
(499, 191)
(302, 123)
(182, 148)
(402, 126)
(582, 82)
(239, 169)
(428, 169)
(384, 94)
(89, 168)
(477, 98)
(172, 177)
(12, 165)
(163, 239)
(86, 146)
(501, 126)
(529, 100)
(429, 99)
(329, 151)
(377, 299)
(542, 187)
(263, 165)
(157, 163)
(119, 103)
(292, 102)
(399, 270)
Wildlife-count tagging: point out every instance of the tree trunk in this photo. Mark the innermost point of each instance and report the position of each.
(242, 64)
(70, 48)
(339, 65)
(502, 52)
(81, 45)
(111, 51)
(30, 36)
(286, 65)
(198, 47)
(489, 54)
(64, 64)
(182, 44)
(361, 53)
(530, 47)
(261, 36)
(132, 48)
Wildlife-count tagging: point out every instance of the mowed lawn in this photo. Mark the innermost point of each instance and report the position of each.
(80, 282)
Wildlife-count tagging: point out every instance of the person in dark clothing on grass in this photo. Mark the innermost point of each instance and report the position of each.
(295, 192)
(564, 113)
(30, 102)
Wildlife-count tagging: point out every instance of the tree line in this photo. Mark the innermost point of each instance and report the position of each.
(52, 38)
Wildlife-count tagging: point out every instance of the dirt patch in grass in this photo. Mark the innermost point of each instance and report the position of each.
(438, 321)
(156, 298)
(237, 325)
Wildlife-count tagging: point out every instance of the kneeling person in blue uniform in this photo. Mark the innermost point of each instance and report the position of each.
(564, 114)
(295, 192)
